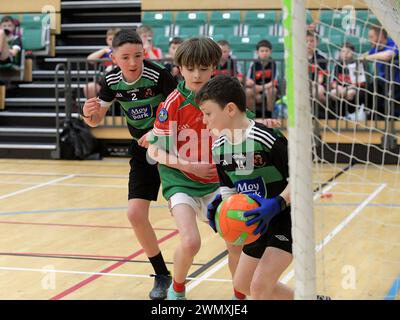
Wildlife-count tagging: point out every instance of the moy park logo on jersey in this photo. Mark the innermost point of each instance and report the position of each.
(140, 113)
(256, 186)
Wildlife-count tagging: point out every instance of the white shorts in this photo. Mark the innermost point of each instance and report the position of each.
(199, 204)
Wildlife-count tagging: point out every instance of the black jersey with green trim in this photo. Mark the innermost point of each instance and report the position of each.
(257, 165)
(139, 100)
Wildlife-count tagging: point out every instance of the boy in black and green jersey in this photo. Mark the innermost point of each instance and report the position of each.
(251, 159)
(139, 86)
(10, 43)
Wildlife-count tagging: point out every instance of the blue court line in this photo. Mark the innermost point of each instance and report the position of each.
(71, 210)
(392, 294)
(80, 210)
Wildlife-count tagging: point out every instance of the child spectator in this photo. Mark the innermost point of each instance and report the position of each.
(170, 66)
(227, 65)
(150, 52)
(318, 67)
(348, 77)
(10, 42)
(386, 54)
(262, 79)
(92, 88)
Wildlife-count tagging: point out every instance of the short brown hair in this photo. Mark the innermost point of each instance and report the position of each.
(201, 51)
(143, 29)
(224, 43)
(379, 31)
(126, 36)
(348, 45)
(112, 31)
(223, 89)
(7, 19)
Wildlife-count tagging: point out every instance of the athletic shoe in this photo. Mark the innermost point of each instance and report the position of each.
(160, 287)
(319, 297)
(173, 295)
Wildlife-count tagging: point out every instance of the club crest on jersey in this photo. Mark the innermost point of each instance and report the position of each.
(163, 115)
(256, 186)
(259, 160)
(148, 93)
(140, 113)
(240, 160)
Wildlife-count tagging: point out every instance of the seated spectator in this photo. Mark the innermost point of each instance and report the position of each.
(227, 65)
(386, 55)
(348, 77)
(10, 42)
(150, 52)
(170, 65)
(262, 80)
(317, 67)
(92, 88)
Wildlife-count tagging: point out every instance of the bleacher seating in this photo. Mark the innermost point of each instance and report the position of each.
(224, 23)
(260, 22)
(190, 23)
(160, 22)
(243, 47)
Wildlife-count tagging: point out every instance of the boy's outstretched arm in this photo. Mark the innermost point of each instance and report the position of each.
(159, 155)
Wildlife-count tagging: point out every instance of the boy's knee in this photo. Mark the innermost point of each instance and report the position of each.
(191, 245)
(136, 216)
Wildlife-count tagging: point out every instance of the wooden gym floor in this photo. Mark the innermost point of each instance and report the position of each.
(65, 234)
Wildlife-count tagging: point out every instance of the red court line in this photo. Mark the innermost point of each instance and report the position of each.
(73, 225)
(60, 255)
(107, 270)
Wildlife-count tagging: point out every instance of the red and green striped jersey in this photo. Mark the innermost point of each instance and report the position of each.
(179, 130)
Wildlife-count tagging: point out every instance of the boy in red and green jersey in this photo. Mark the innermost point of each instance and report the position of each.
(181, 144)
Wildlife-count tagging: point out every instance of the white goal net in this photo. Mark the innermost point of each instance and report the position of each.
(343, 91)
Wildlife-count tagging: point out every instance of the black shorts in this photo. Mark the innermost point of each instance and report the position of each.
(144, 179)
(278, 235)
(7, 61)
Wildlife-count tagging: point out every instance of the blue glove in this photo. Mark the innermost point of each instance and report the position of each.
(268, 209)
(212, 209)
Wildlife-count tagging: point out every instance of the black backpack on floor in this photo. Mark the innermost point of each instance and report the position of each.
(77, 142)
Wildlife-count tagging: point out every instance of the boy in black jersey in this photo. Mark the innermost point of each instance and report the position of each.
(262, 80)
(317, 67)
(139, 86)
(227, 65)
(251, 159)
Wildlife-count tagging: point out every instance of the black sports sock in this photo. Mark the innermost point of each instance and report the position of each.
(158, 264)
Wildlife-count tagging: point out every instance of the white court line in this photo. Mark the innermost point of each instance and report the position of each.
(205, 277)
(224, 262)
(69, 185)
(98, 273)
(8, 195)
(340, 227)
(327, 188)
(30, 173)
